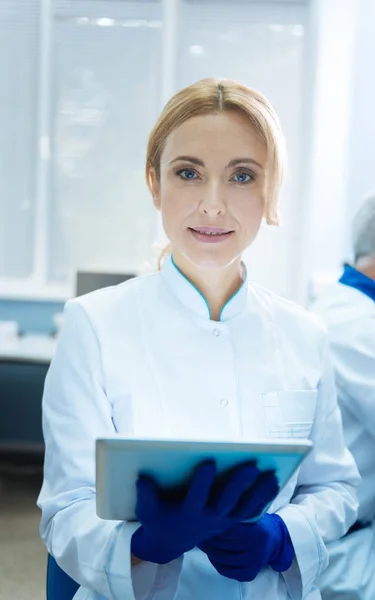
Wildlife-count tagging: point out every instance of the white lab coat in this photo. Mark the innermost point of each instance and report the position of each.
(144, 358)
(350, 318)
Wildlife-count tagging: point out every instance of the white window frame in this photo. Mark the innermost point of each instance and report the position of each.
(37, 287)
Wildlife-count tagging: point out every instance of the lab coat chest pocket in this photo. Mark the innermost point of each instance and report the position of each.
(289, 414)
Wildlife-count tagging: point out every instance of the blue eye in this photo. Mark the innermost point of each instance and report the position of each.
(243, 177)
(187, 174)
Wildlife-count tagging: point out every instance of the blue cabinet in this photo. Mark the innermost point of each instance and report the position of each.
(21, 391)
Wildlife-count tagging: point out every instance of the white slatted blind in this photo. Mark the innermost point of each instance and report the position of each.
(105, 98)
(83, 203)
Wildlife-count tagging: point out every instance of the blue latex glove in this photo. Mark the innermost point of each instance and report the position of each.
(241, 552)
(170, 527)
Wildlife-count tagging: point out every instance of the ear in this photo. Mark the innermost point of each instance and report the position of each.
(154, 187)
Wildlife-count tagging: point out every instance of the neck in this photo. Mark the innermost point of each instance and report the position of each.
(217, 286)
(366, 265)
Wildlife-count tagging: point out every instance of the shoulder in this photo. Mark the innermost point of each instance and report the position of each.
(343, 303)
(111, 305)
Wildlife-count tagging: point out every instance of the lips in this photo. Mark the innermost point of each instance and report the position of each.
(211, 235)
(211, 230)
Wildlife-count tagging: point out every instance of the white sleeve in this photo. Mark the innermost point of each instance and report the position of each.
(354, 363)
(76, 411)
(325, 502)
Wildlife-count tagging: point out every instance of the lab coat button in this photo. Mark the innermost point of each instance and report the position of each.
(224, 402)
(216, 332)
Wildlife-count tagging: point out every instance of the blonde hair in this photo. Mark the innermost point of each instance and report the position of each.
(209, 96)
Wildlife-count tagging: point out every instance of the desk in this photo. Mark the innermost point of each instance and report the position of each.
(29, 348)
(23, 367)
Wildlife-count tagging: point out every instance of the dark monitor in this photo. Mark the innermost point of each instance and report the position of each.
(89, 281)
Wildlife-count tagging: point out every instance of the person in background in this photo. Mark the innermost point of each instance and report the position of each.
(348, 309)
(196, 351)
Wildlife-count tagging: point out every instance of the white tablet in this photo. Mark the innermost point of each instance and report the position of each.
(171, 463)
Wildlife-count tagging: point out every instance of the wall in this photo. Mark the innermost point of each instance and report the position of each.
(361, 153)
(342, 165)
(323, 215)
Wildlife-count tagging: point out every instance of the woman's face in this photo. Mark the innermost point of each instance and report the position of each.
(211, 189)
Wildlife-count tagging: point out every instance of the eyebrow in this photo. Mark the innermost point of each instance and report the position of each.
(232, 163)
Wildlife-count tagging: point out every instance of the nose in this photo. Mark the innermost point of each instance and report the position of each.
(212, 203)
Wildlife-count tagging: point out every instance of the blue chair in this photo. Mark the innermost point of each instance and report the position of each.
(59, 585)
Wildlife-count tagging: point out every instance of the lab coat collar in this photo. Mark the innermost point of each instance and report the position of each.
(191, 297)
(359, 281)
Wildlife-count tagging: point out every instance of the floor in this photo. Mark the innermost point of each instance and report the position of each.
(22, 554)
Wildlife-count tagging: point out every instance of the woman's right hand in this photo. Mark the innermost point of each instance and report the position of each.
(171, 527)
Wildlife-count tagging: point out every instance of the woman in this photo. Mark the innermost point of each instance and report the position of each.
(196, 351)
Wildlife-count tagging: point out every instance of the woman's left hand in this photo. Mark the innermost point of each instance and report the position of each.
(244, 550)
